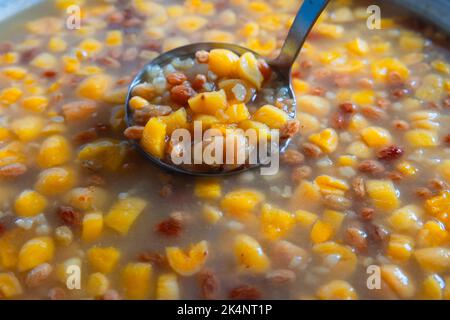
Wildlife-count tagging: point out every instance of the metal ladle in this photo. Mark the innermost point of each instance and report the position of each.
(305, 19)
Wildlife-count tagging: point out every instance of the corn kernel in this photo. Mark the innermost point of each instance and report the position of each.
(54, 151)
(321, 232)
(327, 140)
(137, 103)
(347, 263)
(433, 287)
(400, 247)
(241, 203)
(382, 68)
(191, 23)
(329, 30)
(314, 105)
(28, 128)
(420, 138)
(14, 73)
(55, 181)
(406, 168)
(35, 252)
(363, 97)
(376, 137)
(444, 170)
(29, 203)
(167, 287)
(211, 214)
(271, 116)
(406, 219)
(136, 278)
(90, 47)
(57, 44)
(276, 223)
(176, 120)
(435, 259)
(305, 218)
(337, 290)
(308, 123)
(358, 46)
(411, 43)
(438, 205)
(9, 285)
(103, 259)
(432, 234)
(383, 194)
(247, 69)
(44, 61)
(190, 263)
(441, 66)
(331, 185)
(9, 249)
(249, 255)
(114, 38)
(97, 284)
(9, 96)
(92, 226)
(209, 189)
(35, 103)
(123, 214)
(398, 281)
(347, 161)
(95, 86)
(64, 269)
(306, 190)
(360, 150)
(71, 64)
(208, 102)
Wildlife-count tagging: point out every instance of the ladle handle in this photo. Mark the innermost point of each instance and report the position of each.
(306, 16)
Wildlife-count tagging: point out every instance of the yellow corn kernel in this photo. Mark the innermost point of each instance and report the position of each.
(114, 38)
(406, 168)
(175, 11)
(211, 214)
(357, 123)
(347, 258)
(376, 137)
(9, 96)
(347, 161)
(124, 213)
(329, 30)
(55, 181)
(400, 247)
(300, 86)
(105, 153)
(263, 47)
(44, 61)
(35, 103)
(363, 97)
(306, 190)
(360, 150)
(136, 278)
(234, 113)
(271, 116)
(248, 69)
(5, 134)
(328, 184)
(441, 66)
(432, 234)
(71, 64)
(382, 68)
(9, 58)
(241, 203)
(321, 232)
(63, 270)
(331, 57)
(263, 132)
(97, 284)
(420, 138)
(398, 281)
(154, 137)
(92, 226)
(358, 46)
(337, 290)
(433, 287)
(191, 23)
(57, 44)
(250, 29)
(208, 189)
(249, 255)
(87, 198)
(327, 140)
(208, 102)
(308, 123)
(64, 4)
(174, 42)
(444, 170)
(137, 103)
(103, 259)
(35, 252)
(9, 249)
(54, 151)
(176, 120)
(167, 287)
(276, 223)
(406, 219)
(190, 263)
(90, 46)
(305, 218)
(314, 105)
(14, 73)
(28, 128)
(223, 62)
(334, 218)
(29, 203)
(9, 285)
(436, 259)
(410, 43)
(95, 86)
(439, 205)
(383, 194)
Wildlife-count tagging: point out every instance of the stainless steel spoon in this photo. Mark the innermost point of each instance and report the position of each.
(282, 65)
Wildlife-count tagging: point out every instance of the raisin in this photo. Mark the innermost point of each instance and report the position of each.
(13, 170)
(49, 74)
(359, 187)
(400, 125)
(166, 190)
(170, 227)
(281, 276)
(182, 93)
(134, 132)
(79, 110)
(300, 173)
(292, 157)
(265, 69)
(57, 294)
(311, 150)
(423, 193)
(347, 107)
(38, 275)
(154, 258)
(199, 82)
(85, 136)
(390, 153)
(245, 292)
(176, 78)
(2, 229)
(339, 121)
(356, 238)
(69, 216)
(367, 214)
(371, 167)
(289, 129)
(447, 139)
(209, 284)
